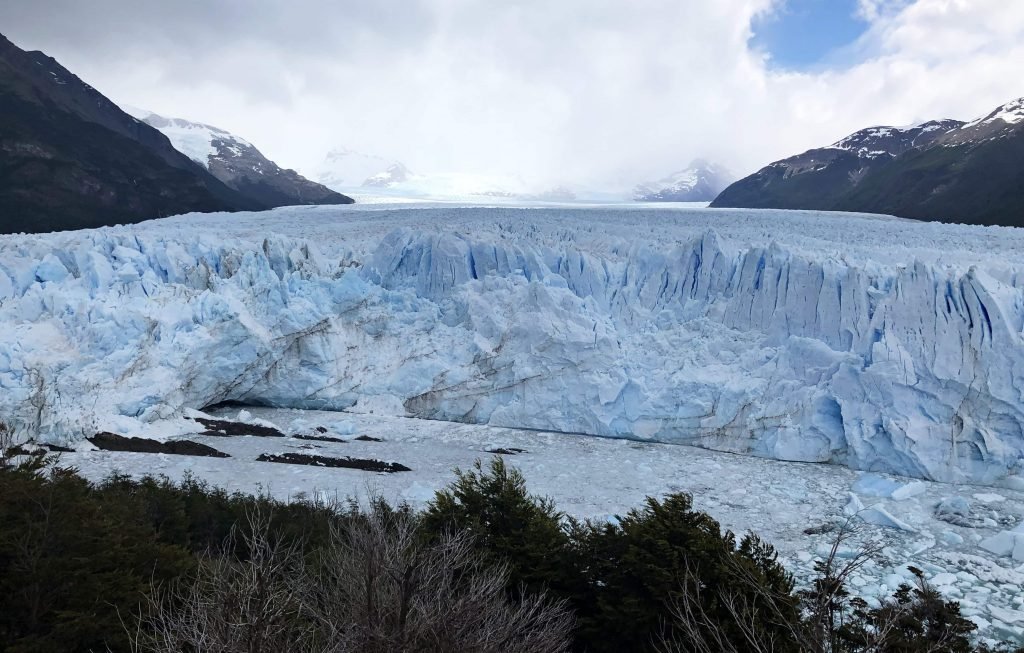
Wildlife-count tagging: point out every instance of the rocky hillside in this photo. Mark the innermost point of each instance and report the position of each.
(945, 170)
(70, 158)
(236, 162)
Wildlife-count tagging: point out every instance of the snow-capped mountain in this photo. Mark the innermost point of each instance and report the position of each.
(395, 174)
(945, 170)
(236, 162)
(71, 158)
(701, 181)
(346, 170)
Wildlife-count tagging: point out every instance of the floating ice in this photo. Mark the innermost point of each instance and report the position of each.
(879, 516)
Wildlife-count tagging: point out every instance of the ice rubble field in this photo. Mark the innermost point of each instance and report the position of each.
(869, 342)
(600, 477)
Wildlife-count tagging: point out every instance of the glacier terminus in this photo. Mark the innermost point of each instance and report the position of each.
(875, 343)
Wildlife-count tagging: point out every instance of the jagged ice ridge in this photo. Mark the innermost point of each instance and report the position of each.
(845, 339)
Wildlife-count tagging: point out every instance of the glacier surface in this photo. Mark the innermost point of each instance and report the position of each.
(880, 344)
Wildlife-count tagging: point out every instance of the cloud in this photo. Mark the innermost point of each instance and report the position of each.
(609, 91)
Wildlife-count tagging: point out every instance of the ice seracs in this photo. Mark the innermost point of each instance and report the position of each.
(877, 345)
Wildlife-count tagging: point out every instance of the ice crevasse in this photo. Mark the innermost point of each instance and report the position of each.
(913, 369)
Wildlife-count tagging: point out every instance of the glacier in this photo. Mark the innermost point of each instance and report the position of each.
(880, 344)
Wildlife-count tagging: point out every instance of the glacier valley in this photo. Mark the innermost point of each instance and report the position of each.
(875, 343)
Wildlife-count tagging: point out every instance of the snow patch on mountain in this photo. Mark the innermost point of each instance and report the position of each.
(873, 343)
(195, 140)
(1010, 113)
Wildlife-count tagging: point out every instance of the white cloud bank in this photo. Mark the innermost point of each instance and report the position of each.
(608, 91)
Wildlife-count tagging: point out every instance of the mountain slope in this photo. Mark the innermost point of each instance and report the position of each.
(700, 182)
(945, 170)
(70, 158)
(236, 162)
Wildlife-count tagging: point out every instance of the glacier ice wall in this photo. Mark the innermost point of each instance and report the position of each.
(767, 350)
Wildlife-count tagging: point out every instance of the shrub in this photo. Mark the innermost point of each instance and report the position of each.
(377, 587)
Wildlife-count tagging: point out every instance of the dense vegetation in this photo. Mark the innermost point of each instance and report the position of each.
(152, 565)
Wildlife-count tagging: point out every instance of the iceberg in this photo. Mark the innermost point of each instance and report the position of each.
(852, 340)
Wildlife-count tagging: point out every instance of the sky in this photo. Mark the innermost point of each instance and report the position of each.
(593, 92)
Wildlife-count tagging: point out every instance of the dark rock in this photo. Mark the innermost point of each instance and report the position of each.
(366, 464)
(225, 428)
(509, 451)
(114, 442)
(318, 438)
(820, 530)
(367, 438)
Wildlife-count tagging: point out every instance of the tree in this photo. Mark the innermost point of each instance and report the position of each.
(507, 524)
(378, 586)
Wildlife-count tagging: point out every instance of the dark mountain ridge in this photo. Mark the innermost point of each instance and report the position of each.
(70, 158)
(945, 170)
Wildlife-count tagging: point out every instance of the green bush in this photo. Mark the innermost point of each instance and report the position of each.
(74, 562)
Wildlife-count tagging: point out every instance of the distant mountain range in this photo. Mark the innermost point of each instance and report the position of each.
(345, 170)
(236, 162)
(700, 182)
(944, 170)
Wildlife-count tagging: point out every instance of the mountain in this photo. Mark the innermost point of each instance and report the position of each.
(944, 170)
(343, 169)
(700, 182)
(70, 158)
(396, 173)
(238, 164)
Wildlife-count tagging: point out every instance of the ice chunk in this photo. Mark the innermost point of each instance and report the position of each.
(1005, 543)
(879, 516)
(908, 490)
(951, 538)
(873, 485)
(953, 506)
(1006, 615)
(989, 497)
(945, 578)
(853, 504)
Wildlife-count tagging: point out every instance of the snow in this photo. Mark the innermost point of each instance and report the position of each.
(194, 140)
(874, 343)
(598, 478)
(1010, 113)
(343, 170)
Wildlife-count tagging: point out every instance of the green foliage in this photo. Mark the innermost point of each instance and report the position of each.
(507, 523)
(73, 562)
(619, 578)
(635, 569)
(913, 619)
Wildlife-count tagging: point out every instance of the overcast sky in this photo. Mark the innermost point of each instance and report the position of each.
(609, 91)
